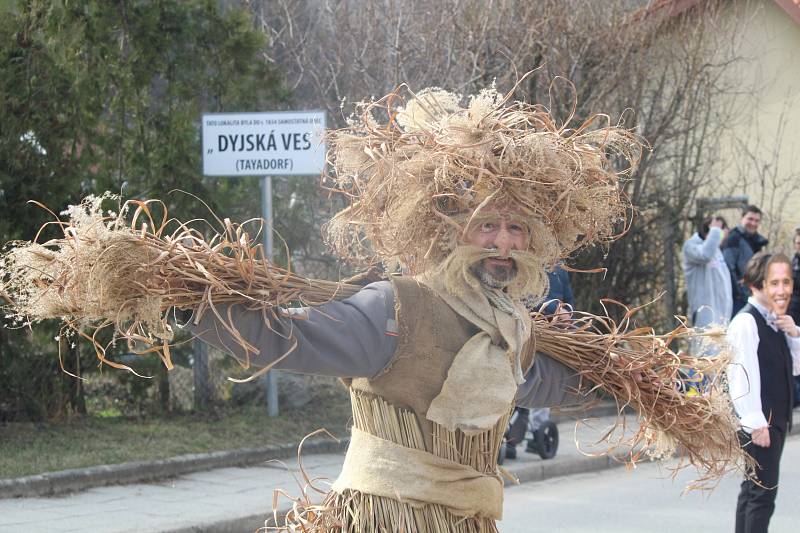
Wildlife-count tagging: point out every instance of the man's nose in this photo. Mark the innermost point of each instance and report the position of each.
(503, 243)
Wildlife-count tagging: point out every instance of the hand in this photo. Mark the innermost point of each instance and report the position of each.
(716, 223)
(760, 437)
(562, 316)
(786, 324)
(651, 377)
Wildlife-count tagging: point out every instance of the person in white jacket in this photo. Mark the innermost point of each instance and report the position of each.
(766, 345)
(708, 281)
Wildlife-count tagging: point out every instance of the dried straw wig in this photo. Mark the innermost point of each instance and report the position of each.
(418, 181)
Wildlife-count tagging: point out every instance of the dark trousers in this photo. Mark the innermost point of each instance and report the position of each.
(757, 499)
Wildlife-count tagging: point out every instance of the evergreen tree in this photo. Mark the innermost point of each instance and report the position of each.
(108, 95)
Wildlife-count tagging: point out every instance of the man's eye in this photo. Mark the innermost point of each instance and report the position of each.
(486, 227)
(516, 228)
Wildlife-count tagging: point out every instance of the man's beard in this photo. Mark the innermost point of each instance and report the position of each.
(497, 277)
(462, 270)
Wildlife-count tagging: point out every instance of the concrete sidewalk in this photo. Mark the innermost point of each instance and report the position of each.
(240, 499)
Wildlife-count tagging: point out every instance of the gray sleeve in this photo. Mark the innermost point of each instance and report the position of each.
(548, 384)
(349, 338)
(701, 253)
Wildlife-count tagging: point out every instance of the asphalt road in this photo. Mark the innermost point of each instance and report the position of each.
(645, 500)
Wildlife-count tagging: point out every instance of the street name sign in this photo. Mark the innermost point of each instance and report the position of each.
(280, 143)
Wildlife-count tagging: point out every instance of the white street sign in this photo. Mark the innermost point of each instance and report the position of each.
(283, 143)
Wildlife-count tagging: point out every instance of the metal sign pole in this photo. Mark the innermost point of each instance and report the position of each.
(266, 215)
(265, 144)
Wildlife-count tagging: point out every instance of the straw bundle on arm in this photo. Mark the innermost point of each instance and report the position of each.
(124, 271)
(677, 413)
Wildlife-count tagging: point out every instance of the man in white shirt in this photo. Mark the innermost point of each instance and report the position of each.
(766, 344)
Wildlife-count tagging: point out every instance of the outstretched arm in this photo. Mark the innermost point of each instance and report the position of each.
(348, 338)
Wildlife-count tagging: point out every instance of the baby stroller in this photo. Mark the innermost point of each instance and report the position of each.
(541, 433)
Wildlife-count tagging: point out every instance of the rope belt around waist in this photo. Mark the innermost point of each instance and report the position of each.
(381, 467)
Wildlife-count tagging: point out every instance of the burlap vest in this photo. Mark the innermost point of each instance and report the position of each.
(430, 335)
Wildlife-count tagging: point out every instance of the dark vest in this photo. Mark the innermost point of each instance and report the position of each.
(775, 366)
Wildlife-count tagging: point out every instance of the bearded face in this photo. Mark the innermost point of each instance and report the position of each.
(502, 235)
(495, 251)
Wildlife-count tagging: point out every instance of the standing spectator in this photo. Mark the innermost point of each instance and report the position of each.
(708, 280)
(794, 307)
(560, 291)
(766, 344)
(742, 243)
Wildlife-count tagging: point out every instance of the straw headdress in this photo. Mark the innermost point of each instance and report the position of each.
(439, 163)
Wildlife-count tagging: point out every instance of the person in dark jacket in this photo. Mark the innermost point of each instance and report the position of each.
(559, 300)
(742, 243)
(560, 291)
(794, 306)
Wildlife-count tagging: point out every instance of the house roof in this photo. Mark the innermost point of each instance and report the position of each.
(792, 7)
(673, 8)
(663, 8)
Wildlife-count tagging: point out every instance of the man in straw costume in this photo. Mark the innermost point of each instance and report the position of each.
(473, 200)
(475, 203)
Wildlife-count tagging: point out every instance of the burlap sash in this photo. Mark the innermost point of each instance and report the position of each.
(383, 468)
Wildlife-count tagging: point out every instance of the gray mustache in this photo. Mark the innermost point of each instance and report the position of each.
(492, 252)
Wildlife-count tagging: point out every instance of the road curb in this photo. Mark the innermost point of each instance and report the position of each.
(63, 481)
(546, 469)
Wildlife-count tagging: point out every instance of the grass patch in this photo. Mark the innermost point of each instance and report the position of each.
(27, 449)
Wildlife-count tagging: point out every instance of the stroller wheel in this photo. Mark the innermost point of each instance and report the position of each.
(546, 438)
